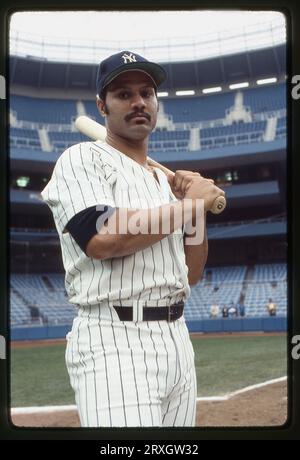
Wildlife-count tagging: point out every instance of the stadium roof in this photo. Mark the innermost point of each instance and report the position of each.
(162, 36)
(263, 63)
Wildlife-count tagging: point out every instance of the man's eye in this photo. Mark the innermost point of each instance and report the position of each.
(146, 94)
(124, 95)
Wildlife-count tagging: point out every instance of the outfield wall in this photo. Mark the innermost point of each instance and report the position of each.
(255, 324)
(261, 324)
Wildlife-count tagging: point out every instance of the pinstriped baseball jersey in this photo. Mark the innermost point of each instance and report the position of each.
(94, 173)
(124, 373)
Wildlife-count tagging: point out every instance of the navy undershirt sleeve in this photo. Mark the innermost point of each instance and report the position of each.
(84, 225)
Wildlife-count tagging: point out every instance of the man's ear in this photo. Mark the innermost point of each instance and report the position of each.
(157, 105)
(101, 106)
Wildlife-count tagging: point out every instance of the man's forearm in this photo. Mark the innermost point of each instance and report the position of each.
(196, 257)
(121, 237)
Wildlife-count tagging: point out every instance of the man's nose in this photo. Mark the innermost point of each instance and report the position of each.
(138, 101)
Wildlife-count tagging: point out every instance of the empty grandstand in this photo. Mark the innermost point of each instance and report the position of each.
(45, 293)
(190, 123)
(237, 137)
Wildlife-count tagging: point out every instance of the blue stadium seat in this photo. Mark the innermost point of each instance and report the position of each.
(228, 135)
(189, 110)
(281, 128)
(43, 110)
(224, 285)
(266, 98)
(221, 285)
(63, 140)
(25, 138)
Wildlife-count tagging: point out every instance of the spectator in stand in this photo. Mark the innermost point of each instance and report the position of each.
(241, 309)
(225, 312)
(232, 310)
(214, 311)
(272, 308)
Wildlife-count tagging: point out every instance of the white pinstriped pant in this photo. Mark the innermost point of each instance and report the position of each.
(131, 373)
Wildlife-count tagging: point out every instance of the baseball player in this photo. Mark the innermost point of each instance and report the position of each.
(129, 355)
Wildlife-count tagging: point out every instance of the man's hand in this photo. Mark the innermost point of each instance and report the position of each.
(180, 181)
(189, 184)
(201, 188)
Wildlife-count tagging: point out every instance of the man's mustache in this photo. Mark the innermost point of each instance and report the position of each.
(137, 114)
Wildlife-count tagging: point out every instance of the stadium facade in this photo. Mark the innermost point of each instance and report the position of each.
(236, 135)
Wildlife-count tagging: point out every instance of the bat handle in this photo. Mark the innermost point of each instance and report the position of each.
(218, 205)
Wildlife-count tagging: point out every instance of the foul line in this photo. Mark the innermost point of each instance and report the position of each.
(243, 390)
(41, 409)
(52, 409)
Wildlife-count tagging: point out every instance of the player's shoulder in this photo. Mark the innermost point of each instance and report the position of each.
(74, 156)
(87, 151)
(76, 151)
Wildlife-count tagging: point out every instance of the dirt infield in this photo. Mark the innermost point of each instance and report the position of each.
(266, 406)
(36, 343)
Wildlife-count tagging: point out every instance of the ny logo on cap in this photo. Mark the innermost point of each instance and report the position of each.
(129, 58)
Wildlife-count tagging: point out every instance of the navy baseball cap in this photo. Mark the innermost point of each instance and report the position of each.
(124, 61)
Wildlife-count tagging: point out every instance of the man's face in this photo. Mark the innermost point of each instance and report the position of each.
(130, 105)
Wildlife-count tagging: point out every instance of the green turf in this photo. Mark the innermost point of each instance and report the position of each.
(226, 364)
(223, 364)
(39, 377)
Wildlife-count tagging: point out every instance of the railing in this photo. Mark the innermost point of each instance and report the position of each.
(279, 218)
(24, 142)
(201, 46)
(216, 123)
(207, 143)
(56, 127)
(32, 230)
(231, 139)
(263, 116)
(61, 298)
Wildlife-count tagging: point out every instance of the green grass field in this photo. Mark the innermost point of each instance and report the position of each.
(223, 364)
(228, 363)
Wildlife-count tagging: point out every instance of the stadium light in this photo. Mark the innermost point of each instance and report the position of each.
(244, 84)
(266, 81)
(188, 92)
(163, 94)
(22, 181)
(217, 89)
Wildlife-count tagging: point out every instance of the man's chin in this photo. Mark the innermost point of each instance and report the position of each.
(139, 131)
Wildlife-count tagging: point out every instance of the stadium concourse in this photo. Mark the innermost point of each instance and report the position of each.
(235, 136)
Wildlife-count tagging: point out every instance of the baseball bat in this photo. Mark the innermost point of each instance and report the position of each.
(96, 131)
